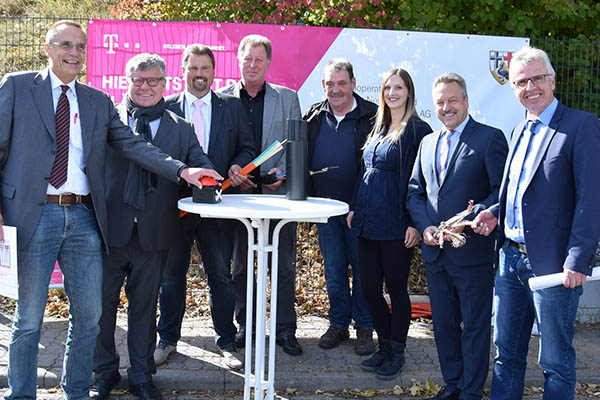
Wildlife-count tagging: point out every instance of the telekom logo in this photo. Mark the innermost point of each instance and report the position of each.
(110, 41)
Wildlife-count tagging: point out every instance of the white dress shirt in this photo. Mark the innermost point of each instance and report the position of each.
(525, 171)
(76, 179)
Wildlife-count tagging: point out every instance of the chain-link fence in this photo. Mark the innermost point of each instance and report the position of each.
(22, 42)
(577, 62)
(577, 66)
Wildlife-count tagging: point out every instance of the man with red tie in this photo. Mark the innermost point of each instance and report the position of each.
(54, 133)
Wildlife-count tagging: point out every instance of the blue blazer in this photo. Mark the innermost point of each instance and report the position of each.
(474, 173)
(561, 204)
(231, 140)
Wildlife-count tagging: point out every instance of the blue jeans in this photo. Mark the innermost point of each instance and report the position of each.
(69, 235)
(516, 308)
(340, 249)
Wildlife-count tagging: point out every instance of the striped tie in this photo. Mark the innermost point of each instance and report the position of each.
(444, 155)
(58, 176)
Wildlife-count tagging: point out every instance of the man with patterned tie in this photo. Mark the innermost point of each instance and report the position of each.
(223, 130)
(549, 213)
(61, 213)
(462, 161)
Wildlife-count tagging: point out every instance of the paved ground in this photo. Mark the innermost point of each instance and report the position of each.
(195, 372)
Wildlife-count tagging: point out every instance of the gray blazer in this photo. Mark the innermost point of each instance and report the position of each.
(281, 103)
(158, 223)
(28, 145)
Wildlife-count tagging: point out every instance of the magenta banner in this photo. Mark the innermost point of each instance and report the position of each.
(300, 54)
(296, 50)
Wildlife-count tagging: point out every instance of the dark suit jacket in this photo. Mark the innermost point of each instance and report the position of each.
(474, 173)
(231, 139)
(158, 223)
(28, 145)
(561, 204)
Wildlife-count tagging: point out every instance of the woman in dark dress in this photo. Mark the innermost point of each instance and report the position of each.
(378, 216)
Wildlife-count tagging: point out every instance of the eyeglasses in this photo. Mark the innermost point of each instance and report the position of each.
(152, 82)
(68, 46)
(536, 80)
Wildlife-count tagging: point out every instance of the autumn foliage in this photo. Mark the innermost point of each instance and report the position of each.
(536, 18)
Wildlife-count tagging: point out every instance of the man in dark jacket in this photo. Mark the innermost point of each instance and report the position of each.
(462, 161)
(222, 128)
(337, 129)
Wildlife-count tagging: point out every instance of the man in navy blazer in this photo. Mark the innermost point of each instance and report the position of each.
(549, 213)
(222, 128)
(62, 215)
(463, 161)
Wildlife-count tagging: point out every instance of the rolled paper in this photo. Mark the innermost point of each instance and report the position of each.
(551, 280)
(269, 152)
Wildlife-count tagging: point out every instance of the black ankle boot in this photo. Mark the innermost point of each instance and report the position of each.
(377, 359)
(393, 364)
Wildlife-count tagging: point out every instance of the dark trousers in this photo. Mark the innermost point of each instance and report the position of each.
(143, 270)
(214, 240)
(286, 284)
(386, 261)
(461, 294)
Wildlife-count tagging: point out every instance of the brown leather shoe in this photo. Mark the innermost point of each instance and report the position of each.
(364, 341)
(333, 337)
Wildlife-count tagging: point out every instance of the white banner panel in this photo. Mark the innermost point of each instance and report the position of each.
(425, 56)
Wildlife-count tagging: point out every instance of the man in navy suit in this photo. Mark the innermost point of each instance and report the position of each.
(61, 213)
(463, 161)
(550, 216)
(223, 130)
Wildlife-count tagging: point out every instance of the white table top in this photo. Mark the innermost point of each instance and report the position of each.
(266, 206)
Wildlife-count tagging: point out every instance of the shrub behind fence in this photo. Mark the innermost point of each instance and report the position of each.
(577, 62)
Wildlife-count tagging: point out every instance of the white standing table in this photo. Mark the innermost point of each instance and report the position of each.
(257, 211)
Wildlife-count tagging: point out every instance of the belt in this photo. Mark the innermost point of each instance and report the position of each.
(519, 246)
(68, 199)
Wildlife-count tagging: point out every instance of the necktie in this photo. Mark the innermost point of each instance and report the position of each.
(198, 121)
(58, 175)
(444, 155)
(516, 171)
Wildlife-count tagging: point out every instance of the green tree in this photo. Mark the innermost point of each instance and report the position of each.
(542, 20)
(559, 18)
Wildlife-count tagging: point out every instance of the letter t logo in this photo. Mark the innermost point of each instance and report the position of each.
(110, 41)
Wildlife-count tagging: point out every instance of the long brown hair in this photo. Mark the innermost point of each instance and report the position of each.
(383, 117)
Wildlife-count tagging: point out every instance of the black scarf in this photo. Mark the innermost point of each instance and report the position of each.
(140, 181)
